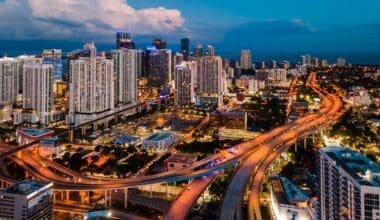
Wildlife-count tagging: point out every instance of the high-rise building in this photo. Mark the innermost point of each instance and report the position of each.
(140, 63)
(159, 43)
(38, 79)
(125, 69)
(340, 62)
(54, 56)
(209, 81)
(324, 63)
(185, 48)
(91, 86)
(158, 63)
(178, 58)
(21, 61)
(9, 79)
(198, 50)
(123, 40)
(272, 64)
(28, 199)
(184, 77)
(314, 62)
(245, 59)
(349, 185)
(210, 50)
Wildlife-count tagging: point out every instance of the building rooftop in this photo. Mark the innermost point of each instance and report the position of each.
(291, 191)
(159, 136)
(35, 132)
(50, 140)
(362, 169)
(27, 187)
(125, 139)
(181, 158)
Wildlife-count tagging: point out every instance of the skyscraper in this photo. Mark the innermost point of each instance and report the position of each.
(9, 79)
(158, 66)
(185, 48)
(340, 62)
(125, 69)
(123, 40)
(210, 50)
(245, 59)
(91, 86)
(198, 51)
(349, 185)
(209, 81)
(38, 89)
(54, 56)
(159, 43)
(184, 78)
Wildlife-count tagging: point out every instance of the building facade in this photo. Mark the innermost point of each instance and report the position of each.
(349, 185)
(91, 86)
(54, 56)
(125, 69)
(27, 200)
(9, 79)
(245, 59)
(38, 78)
(184, 79)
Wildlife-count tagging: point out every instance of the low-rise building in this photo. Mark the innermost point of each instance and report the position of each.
(49, 146)
(28, 199)
(289, 202)
(125, 141)
(177, 161)
(5, 112)
(159, 142)
(26, 135)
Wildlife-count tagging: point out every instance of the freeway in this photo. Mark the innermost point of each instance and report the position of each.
(232, 201)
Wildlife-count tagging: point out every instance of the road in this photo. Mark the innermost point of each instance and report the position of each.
(181, 207)
(232, 201)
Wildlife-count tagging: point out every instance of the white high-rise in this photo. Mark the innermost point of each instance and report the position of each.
(245, 59)
(349, 185)
(184, 79)
(125, 69)
(38, 81)
(91, 86)
(9, 79)
(210, 80)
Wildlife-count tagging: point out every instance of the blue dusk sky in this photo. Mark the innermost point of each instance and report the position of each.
(350, 28)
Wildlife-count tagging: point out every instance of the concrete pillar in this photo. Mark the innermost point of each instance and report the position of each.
(125, 198)
(110, 199)
(67, 195)
(151, 192)
(95, 125)
(295, 147)
(313, 137)
(83, 131)
(71, 136)
(166, 189)
(106, 124)
(305, 142)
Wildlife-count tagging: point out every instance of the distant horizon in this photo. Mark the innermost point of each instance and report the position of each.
(14, 48)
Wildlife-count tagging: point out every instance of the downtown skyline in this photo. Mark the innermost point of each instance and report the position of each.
(325, 29)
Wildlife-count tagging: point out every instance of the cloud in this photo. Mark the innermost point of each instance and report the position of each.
(82, 19)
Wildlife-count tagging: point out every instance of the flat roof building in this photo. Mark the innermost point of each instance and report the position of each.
(349, 185)
(177, 161)
(27, 200)
(160, 141)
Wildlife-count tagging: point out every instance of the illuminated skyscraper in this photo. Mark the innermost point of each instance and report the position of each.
(340, 62)
(198, 51)
(210, 50)
(91, 86)
(184, 78)
(9, 79)
(125, 68)
(38, 89)
(159, 43)
(158, 63)
(54, 56)
(123, 40)
(245, 59)
(209, 81)
(185, 48)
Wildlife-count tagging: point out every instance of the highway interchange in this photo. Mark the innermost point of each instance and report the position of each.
(256, 155)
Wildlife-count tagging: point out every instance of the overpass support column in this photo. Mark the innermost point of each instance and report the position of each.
(313, 137)
(95, 125)
(295, 147)
(106, 124)
(71, 136)
(151, 192)
(67, 195)
(126, 198)
(166, 189)
(83, 131)
(305, 142)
